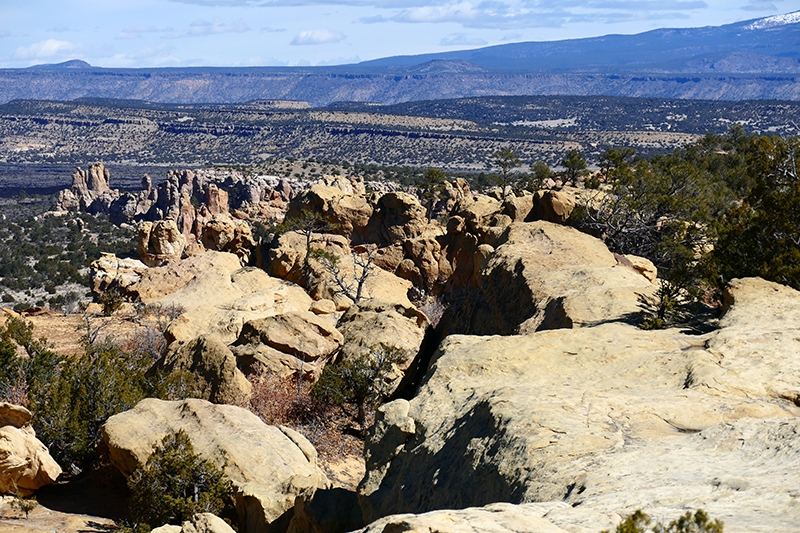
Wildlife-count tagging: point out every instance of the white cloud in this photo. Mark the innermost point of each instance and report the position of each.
(158, 56)
(759, 5)
(58, 29)
(318, 37)
(267, 29)
(202, 28)
(461, 39)
(448, 13)
(45, 49)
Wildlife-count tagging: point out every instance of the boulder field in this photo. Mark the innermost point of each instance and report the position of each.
(543, 409)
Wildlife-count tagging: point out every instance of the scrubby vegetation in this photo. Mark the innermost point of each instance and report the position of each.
(175, 484)
(359, 381)
(287, 401)
(640, 522)
(73, 397)
(721, 208)
(44, 260)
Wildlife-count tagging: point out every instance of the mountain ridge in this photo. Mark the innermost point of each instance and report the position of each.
(757, 59)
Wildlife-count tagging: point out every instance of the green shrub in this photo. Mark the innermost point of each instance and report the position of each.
(639, 522)
(112, 298)
(86, 390)
(175, 484)
(359, 380)
(22, 504)
(761, 235)
(31, 373)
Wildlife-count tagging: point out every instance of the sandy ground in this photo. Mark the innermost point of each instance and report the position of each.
(64, 332)
(345, 473)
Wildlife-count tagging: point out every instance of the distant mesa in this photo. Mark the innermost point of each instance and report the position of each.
(71, 64)
(449, 66)
(279, 104)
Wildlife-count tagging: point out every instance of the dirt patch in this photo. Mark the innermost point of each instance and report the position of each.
(44, 518)
(64, 331)
(345, 472)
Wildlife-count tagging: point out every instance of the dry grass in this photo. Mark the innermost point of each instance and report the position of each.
(287, 401)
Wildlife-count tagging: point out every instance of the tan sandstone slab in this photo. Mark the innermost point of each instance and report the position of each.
(611, 417)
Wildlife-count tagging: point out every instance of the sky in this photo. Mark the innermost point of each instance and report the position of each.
(181, 33)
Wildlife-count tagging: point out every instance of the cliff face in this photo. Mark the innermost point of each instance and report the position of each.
(320, 87)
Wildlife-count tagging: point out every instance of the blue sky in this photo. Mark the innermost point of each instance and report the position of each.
(162, 33)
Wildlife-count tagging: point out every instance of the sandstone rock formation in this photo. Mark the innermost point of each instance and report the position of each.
(90, 190)
(546, 276)
(346, 213)
(212, 365)
(25, 463)
(372, 323)
(268, 466)
(608, 418)
(155, 283)
(216, 295)
(109, 269)
(494, 518)
(160, 242)
(552, 206)
(286, 259)
(225, 234)
(289, 343)
(200, 523)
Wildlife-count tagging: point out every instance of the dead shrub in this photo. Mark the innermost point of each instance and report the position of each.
(433, 306)
(15, 392)
(288, 402)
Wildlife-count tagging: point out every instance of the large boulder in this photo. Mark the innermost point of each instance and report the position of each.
(295, 342)
(25, 463)
(109, 270)
(269, 466)
(160, 242)
(552, 206)
(217, 296)
(212, 366)
(155, 283)
(286, 255)
(373, 323)
(344, 211)
(609, 418)
(398, 216)
(225, 234)
(547, 276)
(199, 523)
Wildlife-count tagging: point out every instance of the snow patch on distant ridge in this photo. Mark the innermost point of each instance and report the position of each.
(777, 20)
